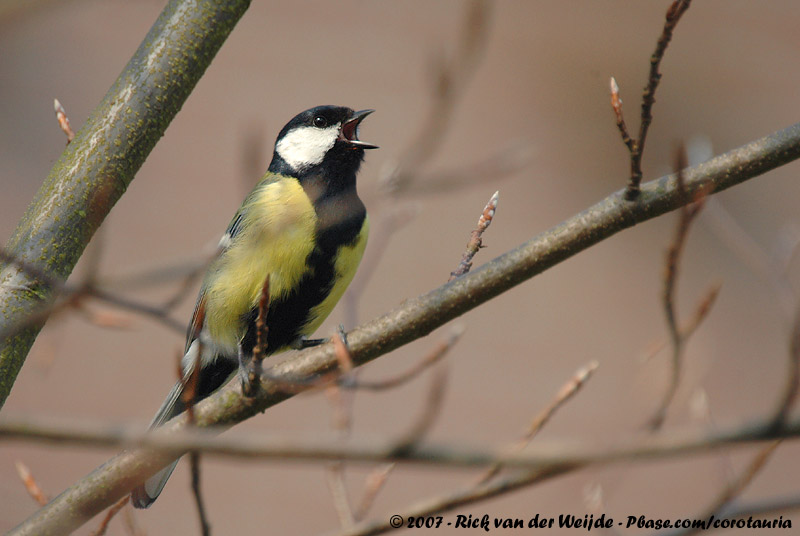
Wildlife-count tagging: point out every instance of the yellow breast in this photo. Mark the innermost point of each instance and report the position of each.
(276, 237)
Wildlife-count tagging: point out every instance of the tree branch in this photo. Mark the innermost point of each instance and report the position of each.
(417, 317)
(370, 449)
(101, 161)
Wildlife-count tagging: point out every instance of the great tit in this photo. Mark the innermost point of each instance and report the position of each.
(305, 228)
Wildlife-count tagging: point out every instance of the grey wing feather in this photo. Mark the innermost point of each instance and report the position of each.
(144, 495)
(196, 324)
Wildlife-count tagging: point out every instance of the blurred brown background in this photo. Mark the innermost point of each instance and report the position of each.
(730, 76)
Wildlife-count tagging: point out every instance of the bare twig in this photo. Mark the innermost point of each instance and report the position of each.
(437, 353)
(734, 488)
(616, 105)
(430, 410)
(189, 398)
(476, 241)
(194, 464)
(461, 497)
(766, 506)
(159, 313)
(690, 326)
(186, 285)
(494, 488)
(174, 439)
(259, 349)
(63, 120)
(792, 384)
(674, 13)
(338, 489)
(30, 483)
(342, 423)
(567, 391)
(375, 480)
(75, 297)
(113, 511)
(688, 213)
(372, 486)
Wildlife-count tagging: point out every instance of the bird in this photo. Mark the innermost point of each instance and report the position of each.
(302, 230)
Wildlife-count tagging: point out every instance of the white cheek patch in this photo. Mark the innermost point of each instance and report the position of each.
(304, 147)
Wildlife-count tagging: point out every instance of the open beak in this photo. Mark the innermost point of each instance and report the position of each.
(349, 132)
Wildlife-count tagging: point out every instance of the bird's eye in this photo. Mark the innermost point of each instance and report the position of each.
(320, 122)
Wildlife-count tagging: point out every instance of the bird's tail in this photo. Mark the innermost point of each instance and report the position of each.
(145, 494)
(212, 376)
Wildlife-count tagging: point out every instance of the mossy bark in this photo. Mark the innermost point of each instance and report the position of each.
(97, 167)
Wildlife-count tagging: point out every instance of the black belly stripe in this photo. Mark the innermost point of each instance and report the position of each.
(286, 317)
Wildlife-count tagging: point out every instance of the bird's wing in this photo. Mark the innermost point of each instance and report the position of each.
(198, 316)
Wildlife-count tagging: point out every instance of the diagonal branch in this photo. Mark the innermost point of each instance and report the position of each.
(417, 317)
(101, 161)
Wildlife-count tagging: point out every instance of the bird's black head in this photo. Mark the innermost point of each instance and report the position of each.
(321, 138)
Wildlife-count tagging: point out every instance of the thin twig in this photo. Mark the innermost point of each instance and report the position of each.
(194, 464)
(342, 423)
(186, 285)
(792, 384)
(674, 13)
(338, 489)
(766, 506)
(437, 353)
(616, 105)
(110, 513)
(430, 411)
(30, 483)
(260, 348)
(174, 439)
(567, 391)
(734, 488)
(688, 328)
(476, 241)
(74, 297)
(372, 486)
(189, 398)
(687, 215)
(376, 479)
(459, 498)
